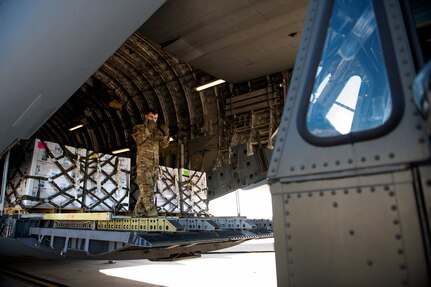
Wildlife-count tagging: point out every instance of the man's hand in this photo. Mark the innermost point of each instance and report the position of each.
(165, 129)
(151, 125)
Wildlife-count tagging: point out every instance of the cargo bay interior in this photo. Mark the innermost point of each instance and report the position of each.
(102, 64)
(158, 66)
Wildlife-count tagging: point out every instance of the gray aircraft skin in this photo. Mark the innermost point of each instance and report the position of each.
(326, 101)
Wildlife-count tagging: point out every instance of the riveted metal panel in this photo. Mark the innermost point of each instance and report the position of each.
(408, 142)
(361, 231)
(425, 175)
(280, 238)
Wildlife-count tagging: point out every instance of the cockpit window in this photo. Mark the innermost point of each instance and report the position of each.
(351, 90)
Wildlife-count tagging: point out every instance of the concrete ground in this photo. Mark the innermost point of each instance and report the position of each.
(251, 263)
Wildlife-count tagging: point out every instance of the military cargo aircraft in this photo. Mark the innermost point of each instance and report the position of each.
(327, 101)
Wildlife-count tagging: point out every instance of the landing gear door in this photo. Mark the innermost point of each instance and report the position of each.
(341, 171)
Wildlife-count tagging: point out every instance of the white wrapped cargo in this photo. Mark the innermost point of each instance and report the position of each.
(187, 195)
(62, 177)
(108, 183)
(167, 196)
(194, 186)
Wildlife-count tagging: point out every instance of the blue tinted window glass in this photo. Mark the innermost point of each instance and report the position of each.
(351, 90)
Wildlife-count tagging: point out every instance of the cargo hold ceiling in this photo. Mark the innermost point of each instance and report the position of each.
(233, 40)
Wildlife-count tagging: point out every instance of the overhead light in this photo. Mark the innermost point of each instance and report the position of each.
(121, 150)
(171, 139)
(76, 127)
(211, 84)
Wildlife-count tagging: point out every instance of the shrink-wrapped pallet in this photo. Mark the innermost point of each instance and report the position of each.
(62, 177)
(194, 191)
(181, 191)
(167, 196)
(108, 182)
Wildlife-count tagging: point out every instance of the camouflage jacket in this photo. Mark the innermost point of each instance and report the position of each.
(148, 142)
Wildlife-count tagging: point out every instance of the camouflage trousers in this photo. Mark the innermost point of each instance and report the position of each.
(146, 180)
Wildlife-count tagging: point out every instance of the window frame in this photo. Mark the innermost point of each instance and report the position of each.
(394, 84)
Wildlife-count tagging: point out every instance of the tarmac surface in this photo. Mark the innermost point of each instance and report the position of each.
(251, 263)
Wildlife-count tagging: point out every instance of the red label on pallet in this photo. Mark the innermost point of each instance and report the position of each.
(40, 145)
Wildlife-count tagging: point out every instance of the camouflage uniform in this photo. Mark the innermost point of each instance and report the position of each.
(148, 140)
